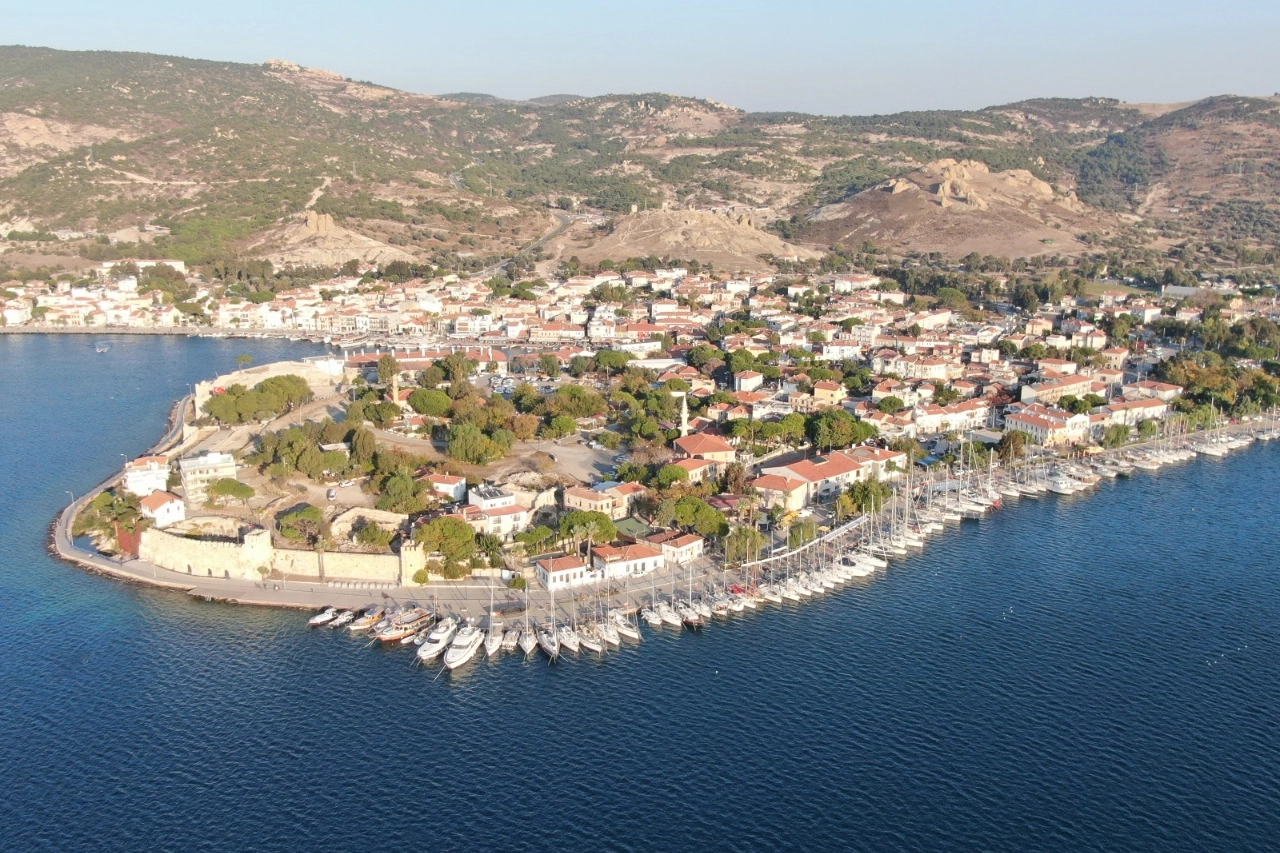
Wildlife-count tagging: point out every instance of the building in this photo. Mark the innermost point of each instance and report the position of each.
(145, 475)
(164, 508)
(614, 561)
(776, 490)
(493, 511)
(449, 486)
(701, 445)
(677, 547)
(747, 380)
(199, 471)
(588, 500)
(563, 573)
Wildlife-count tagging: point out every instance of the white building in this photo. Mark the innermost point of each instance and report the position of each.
(612, 561)
(199, 471)
(164, 508)
(564, 572)
(145, 475)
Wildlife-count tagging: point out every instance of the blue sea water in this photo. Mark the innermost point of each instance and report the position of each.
(1094, 673)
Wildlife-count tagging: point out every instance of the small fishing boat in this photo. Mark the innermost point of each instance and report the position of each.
(324, 617)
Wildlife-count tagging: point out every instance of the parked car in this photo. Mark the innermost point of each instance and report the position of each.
(620, 458)
(332, 494)
(346, 483)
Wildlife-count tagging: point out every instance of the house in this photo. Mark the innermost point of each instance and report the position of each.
(495, 512)
(613, 561)
(702, 445)
(451, 487)
(776, 490)
(164, 508)
(825, 475)
(588, 500)
(677, 547)
(1134, 412)
(699, 469)
(1150, 388)
(623, 495)
(201, 470)
(1053, 390)
(563, 573)
(827, 393)
(145, 475)
(747, 380)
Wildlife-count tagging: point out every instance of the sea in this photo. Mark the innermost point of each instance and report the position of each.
(1091, 673)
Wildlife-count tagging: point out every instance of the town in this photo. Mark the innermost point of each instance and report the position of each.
(578, 431)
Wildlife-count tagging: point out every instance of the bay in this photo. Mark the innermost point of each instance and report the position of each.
(1088, 673)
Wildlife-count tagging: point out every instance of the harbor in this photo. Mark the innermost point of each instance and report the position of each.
(446, 627)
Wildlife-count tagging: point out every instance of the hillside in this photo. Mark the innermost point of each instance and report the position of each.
(219, 160)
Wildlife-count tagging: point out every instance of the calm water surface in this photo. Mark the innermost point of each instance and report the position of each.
(1097, 673)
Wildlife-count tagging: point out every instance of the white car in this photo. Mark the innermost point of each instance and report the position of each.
(346, 483)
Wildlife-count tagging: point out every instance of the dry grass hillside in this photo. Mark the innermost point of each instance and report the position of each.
(230, 159)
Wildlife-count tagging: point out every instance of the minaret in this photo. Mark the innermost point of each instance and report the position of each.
(684, 413)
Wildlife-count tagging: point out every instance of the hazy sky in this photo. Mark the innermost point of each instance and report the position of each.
(818, 56)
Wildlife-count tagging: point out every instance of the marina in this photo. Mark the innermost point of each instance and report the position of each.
(597, 622)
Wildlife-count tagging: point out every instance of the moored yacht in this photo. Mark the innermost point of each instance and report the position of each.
(464, 646)
(438, 640)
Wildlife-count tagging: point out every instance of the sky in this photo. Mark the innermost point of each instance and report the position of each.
(816, 56)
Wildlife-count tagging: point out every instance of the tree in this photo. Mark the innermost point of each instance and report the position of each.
(669, 475)
(744, 544)
(468, 443)
(243, 360)
(1013, 445)
(612, 359)
(427, 401)
(609, 439)
(549, 364)
(735, 479)
(1148, 429)
(305, 524)
(451, 538)
(388, 367)
(534, 539)
(363, 446)
(869, 495)
(589, 525)
(891, 404)
(632, 472)
(1116, 435)
(229, 487)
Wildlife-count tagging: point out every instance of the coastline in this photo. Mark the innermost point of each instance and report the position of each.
(466, 595)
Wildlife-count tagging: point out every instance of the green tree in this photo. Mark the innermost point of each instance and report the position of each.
(305, 524)
(1116, 435)
(743, 544)
(451, 538)
(388, 367)
(427, 401)
(549, 364)
(468, 443)
(1013, 445)
(669, 475)
(243, 360)
(229, 487)
(891, 404)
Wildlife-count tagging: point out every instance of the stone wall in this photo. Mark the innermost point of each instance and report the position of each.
(244, 560)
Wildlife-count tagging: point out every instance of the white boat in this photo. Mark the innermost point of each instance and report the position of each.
(510, 639)
(590, 639)
(324, 617)
(609, 632)
(690, 617)
(651, 617)
(668, 615)
(568, 638)
(549, 641)
(464, 646)
(626, 627)
(864, 557)
(438, 640)
(342, 618)
(1062, 485)
(493, 640)
(771, 593)
(528, 642)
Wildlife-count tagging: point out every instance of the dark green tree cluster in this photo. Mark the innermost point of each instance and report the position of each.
(266, 400)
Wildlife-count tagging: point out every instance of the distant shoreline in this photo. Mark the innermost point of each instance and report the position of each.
(185, 331)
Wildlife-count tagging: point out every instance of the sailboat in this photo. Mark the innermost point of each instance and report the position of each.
(528, 640)
(493, 640)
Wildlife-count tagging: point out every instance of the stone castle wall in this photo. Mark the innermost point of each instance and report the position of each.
(245, 560)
